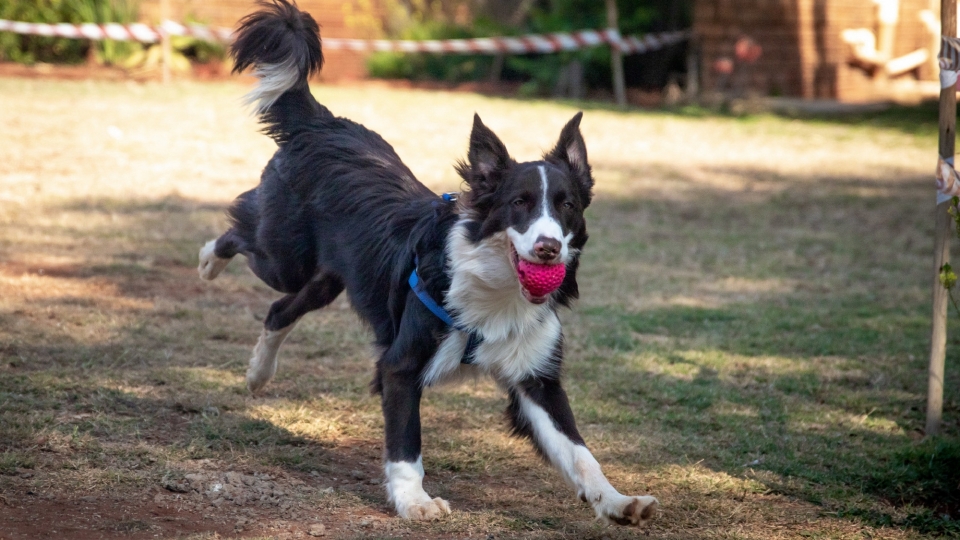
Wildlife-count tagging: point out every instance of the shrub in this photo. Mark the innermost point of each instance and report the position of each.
(30, 49)
(442, 67)
(538, 72)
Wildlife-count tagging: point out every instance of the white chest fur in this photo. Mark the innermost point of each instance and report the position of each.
(518, 336)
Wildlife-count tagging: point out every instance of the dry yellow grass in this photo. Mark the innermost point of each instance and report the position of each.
(121, 370)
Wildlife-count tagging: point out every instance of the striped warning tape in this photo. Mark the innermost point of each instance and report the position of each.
(119, 32)
(206, 33)
(536, 43)
(650, 42)
(948, 181)
(540, 43)
(949, 60)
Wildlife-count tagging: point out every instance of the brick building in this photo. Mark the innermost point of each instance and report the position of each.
(849, 50)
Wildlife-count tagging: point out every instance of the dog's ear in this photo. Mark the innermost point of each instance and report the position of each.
(487, 160)
(572, 152)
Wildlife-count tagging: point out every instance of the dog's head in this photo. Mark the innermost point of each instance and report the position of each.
(537, 205)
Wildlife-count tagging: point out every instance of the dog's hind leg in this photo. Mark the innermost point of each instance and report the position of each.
(283, 316)
(215, 255)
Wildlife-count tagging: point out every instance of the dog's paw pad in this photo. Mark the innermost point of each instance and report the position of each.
(210, 265)
(638, 511)
(256, 381)
(427, 510)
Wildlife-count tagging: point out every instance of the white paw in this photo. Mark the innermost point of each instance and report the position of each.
(424, 510)
(210, 265)
(405, 490)
(263, 363)
(630, 511)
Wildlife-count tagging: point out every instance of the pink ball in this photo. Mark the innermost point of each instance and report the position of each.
(540, 279)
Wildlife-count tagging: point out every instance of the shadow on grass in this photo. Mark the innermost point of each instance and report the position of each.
(67, 410)
(63, 406)
(921, 119)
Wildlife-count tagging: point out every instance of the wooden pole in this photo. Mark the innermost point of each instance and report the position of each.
(887, 33)
(889, 14)
(616, 58)
(516, 19)
(934, 38)
(693, 69)
(944, 230)
(165, 47)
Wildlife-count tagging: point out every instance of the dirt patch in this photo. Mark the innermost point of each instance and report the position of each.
(28, 515)
(207, 500)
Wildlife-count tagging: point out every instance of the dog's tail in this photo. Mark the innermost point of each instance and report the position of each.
(282, 44)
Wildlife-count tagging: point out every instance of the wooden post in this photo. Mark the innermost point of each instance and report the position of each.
(693, 69)
(944, 231)
(516, 19)
(616, 58)
(165, 47)
(889, 14)
(934, 27)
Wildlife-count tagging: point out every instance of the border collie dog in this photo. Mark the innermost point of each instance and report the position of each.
(337, 210)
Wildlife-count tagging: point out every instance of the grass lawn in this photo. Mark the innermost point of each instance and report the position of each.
(750, 346)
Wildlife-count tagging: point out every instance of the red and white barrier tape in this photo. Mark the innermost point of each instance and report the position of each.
(206, 33)
(536, 43)
(650, 42)
(540, 43)
(119, 32)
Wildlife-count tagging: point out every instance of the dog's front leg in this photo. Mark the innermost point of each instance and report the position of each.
(400, 399)
(539, 410)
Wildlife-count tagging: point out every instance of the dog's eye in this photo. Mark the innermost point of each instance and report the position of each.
(519, 202)
(568, 205)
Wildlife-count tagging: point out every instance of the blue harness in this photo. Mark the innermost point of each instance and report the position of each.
(416, 285)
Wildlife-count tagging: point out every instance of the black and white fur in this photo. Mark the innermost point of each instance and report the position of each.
(337, 210)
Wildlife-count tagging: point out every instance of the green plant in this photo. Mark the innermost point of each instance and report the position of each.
(184, 51)
(538, 73)
(108, 51)
(446, 67)
(29, 49)
(948, 278)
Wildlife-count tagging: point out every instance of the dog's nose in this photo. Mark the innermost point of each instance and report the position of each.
(546, 249)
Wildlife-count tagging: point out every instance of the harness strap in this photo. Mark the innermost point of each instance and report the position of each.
(416, 285)
(427, 300)
(474, 340)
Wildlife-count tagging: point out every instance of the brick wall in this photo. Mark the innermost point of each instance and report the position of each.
(330, 14)
(803, 53)
(773, 24)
